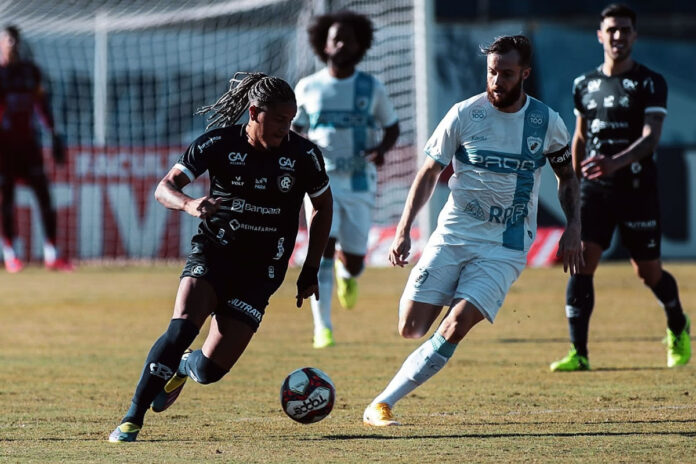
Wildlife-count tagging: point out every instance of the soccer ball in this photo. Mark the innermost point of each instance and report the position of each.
(307, 395)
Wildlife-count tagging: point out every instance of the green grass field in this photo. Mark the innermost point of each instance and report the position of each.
(72, 347)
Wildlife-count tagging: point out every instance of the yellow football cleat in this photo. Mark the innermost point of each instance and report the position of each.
(679, 346)
(346, 289)
(379, 415)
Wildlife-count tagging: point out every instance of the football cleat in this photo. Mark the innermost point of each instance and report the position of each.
(324, 339)
(171, 390)
(59, 264)
(679, 346)
(13, 265)
(572, 362)
(346, 289)
(379, 415)
(127, 431)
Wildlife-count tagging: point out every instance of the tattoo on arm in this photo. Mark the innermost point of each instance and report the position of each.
(568, 191)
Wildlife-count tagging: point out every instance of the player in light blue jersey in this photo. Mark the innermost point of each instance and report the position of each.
(497, 142)
(348, 114)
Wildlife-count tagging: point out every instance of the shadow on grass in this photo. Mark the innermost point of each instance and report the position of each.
(565, 340)
(501, 435)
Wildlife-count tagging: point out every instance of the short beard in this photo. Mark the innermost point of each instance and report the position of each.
(507, 100)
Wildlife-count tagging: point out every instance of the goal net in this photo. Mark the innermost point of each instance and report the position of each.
(125, 78)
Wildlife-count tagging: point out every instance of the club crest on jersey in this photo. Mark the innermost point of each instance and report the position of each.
(285, 182)
(286, 163)
(361, 103)
(534, 143)
(237, 159)
(477, 113)
(536, 119)
(593, 85)
(199, 270)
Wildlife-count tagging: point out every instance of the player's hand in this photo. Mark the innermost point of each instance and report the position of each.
(598, 166)
(58, 146)
(570, 249)
(375, 155)
(203, 207)
(400, 249)
(307, 284)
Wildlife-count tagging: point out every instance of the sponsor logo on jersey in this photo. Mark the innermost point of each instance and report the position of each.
(236, 225)
(562, 158)
(237, 159)
(199, 270)
(260, 183)
(629, 84)
(314, 158)
(422, 277)
(477, 113)
(642, 225)
(246, 308)
(624, 101)
(285, 182)
(597, 125)
(238, 205)
(237, 181)
(592, 104)
(536, 119)
(499, 161)
(207, 143)
(474, 209)
(281, 249)
(287, 163)
(609, 101)
(593, 85)
(161, 371)
(534, 143)
(651, 243)
(221, 237)
(479, 138)
(509, 215)
(636, 167)
(271, 272)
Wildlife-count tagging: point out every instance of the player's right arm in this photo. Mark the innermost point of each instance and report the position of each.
(420, 192)
(579, 144)
(170, 194)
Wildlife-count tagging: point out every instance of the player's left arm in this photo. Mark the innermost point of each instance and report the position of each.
(570, 245)
(319, 228)
(644, 146)
(376, 154)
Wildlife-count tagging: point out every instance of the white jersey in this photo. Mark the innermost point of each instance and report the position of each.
(497, 159)
(343, 117)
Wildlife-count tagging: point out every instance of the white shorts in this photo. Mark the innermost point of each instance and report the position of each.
(351, 221)
(479, 273)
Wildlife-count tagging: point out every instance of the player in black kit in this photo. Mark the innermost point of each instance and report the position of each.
(259, 173)
(620, 108)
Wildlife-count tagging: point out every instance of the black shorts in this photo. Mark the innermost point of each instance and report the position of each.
(20, 160)
(635, 213)
(243, 287)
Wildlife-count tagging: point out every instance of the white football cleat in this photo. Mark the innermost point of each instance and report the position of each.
(379, 415)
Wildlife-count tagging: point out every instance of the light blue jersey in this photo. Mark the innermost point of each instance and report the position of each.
(497, 159)
(344, 118)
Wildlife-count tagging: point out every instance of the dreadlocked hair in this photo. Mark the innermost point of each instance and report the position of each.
(254, 88)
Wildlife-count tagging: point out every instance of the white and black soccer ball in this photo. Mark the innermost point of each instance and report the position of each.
(307, 395)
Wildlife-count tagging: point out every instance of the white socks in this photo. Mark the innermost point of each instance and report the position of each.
(7, 250)
(50, 253)
(321, 310)
(418, 367)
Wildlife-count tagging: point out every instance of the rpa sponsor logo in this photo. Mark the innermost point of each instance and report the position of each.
(246, 308)
(508, 215)
(503, 162)
(238, 159)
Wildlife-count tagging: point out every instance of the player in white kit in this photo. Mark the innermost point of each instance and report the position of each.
(343, 111)
(497, 142)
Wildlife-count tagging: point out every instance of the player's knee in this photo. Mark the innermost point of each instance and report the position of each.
(649, 276)
(203, 369)
(355, 267)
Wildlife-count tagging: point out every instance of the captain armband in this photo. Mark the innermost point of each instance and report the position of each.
(560, 158)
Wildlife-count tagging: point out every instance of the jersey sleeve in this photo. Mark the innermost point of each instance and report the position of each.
(578, 109)
(654, 90)
(194, 161)
(384, 109)
(557, 136)
(301, 119)
(318, 180)
(446, 138)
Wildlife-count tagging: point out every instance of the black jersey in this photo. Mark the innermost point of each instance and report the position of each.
(614, 108)
(261, 191)
(19, 89)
